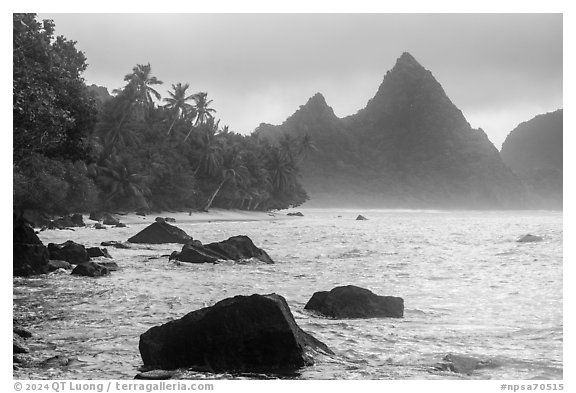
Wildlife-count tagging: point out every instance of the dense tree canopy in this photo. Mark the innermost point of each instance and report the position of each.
(130, 152)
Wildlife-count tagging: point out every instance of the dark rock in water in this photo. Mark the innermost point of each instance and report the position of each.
(141, 212)
(161, 232)
(155, 374)
(241, 334)
(18, 344)
(56, 264)
(59, 361)
(360, 218)
(194, 254)
(30, 256)
(96, 216)
(297, 214)
(110, 265)
(69, 251)
(460, 364)
(67, 221)
(30, 259)
(529, 239)
(115, 244)
(90, 269)
(165, 219)
(120, 225)
(95, 252)
(20, 331)
(354, 302)
(99, 226)
(108, 219)
(235, 248)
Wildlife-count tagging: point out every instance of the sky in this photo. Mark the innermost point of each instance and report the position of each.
(499, 69)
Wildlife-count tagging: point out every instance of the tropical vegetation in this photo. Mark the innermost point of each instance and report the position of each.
(74, 150)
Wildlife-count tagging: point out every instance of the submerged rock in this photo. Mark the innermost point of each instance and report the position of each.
(241, 334)
(361, 218)
(460, 364)
(90, 269)
(235, 248)
(354, 302)
(115, 244)
(68, 251)
(297, 214)
(529, 238)
(161, 232)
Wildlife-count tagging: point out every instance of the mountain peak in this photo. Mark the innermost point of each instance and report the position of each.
(317, 100)
(407, 60)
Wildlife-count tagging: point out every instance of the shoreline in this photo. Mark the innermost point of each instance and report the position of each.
(184, 217)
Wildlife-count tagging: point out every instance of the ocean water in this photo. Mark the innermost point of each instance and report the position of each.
(469, 289)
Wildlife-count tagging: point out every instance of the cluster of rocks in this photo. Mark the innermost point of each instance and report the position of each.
(105, 219)
(32, 257)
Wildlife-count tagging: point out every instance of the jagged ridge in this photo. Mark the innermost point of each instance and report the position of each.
(410, 146)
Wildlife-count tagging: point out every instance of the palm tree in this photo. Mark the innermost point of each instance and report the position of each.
(142, 81)
(122, 184)
(282, 170)
(210, 150)
(202, 108)
(305, 146)
(233, 171)
(177, 104)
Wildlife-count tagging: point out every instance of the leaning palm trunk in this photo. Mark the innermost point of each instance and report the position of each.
(214, 195)
(172, 125)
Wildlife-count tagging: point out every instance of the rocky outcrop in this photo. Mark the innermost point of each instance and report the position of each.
(161, 232)
(241, 334)
(296, 214)
(55, 265)
(30, 256)
(529, 239)
(68, 251)
(95, 252)
(361, 218)
(90, 269)
(235, 248)
(354, 302)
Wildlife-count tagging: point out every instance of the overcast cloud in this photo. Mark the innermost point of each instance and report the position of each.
(499, 69)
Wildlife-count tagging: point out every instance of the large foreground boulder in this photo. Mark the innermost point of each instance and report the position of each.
(235, 248)
(241, 334)
(30, 256)
(161, 232)
(69, 251)
(354, 302)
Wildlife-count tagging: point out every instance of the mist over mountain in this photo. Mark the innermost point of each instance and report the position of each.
(533, 150)
(409, 147)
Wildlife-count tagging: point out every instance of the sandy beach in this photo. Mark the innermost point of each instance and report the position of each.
(214, 215)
